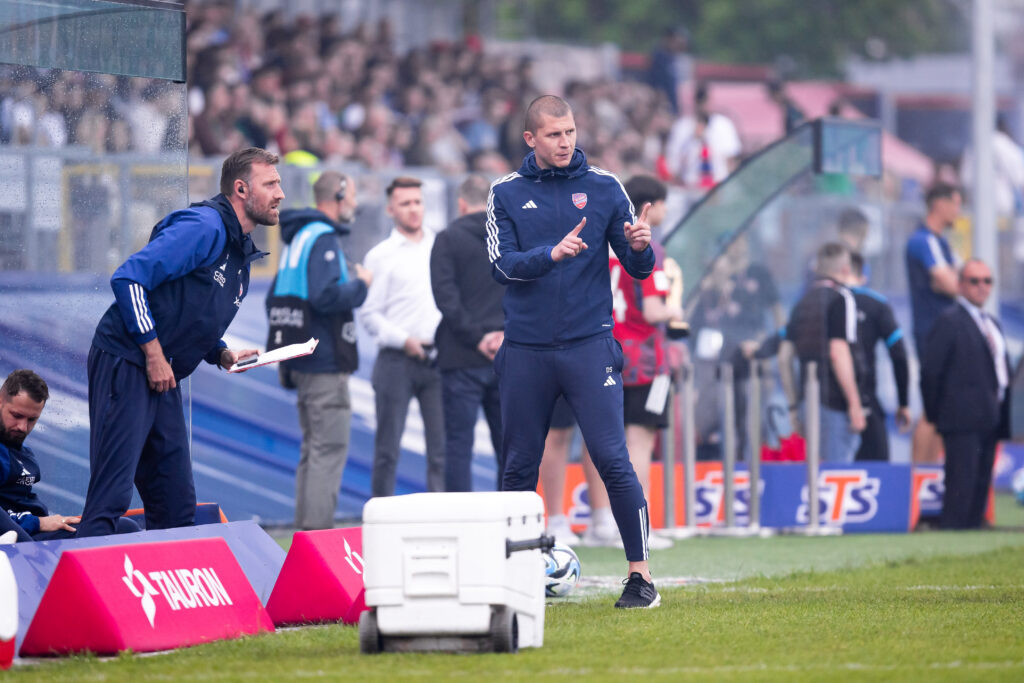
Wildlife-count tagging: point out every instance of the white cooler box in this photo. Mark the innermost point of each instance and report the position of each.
(453, 571)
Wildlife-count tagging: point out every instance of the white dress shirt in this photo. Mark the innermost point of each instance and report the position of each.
(990, 331)
(400, 302)
(683, 148)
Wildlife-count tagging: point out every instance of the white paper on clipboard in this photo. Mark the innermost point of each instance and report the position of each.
(277, 355)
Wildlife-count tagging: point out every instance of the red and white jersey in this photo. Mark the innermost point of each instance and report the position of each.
(642, 343)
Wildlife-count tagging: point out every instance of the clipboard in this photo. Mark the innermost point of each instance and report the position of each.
(277, 355)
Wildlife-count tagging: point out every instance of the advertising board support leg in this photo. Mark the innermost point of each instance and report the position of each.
(812, 405)
(728, 443)
(689, 458)
(689, 450)
(812, 429)
(725, 377)
(668, 457)
(754, 439)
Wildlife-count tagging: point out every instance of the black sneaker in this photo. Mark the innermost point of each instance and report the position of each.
(638, 593)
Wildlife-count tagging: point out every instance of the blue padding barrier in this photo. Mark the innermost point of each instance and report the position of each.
(259, 555)
(245, 428)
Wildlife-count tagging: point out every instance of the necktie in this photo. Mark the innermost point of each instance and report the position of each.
(1002, 372)
(986, 325)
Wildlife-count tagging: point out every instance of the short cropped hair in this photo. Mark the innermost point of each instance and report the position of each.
(969, 262)
(328, 185)
(27, 381)
(832, 256)
(853, 221)
(238, 166)
(403, 181)
(940, 191)
(474, 190)
(545, 105)
(645, 188)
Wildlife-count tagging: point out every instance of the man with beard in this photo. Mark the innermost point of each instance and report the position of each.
(314, 295)
(22, 399)
(174, 299)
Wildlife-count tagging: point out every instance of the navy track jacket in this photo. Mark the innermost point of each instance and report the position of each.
(18, 472)
(184, 288)
(528, 213)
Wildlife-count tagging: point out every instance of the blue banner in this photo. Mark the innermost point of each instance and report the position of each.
(861, 497)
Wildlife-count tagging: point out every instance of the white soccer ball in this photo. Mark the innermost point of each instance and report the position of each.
(1018, 485)
(562, 571)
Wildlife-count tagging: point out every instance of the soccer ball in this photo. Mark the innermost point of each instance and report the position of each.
(1018, 485)
(562, 571)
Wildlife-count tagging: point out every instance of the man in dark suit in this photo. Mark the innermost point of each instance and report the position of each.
(964, 383)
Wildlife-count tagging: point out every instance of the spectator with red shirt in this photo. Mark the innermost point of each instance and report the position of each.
(639, 308)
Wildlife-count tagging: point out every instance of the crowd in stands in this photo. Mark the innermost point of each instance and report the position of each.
(305, 87)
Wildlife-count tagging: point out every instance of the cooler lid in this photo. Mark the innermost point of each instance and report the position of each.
(429, 508)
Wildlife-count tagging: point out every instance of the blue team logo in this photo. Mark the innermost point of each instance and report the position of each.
(844, 497)
(579, 199)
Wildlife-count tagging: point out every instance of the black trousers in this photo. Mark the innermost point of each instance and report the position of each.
(465, 391)
(969, 458)
(874, 440)
(397, 378)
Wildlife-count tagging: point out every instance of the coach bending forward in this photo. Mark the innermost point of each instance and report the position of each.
(174, 299)
(558, 316)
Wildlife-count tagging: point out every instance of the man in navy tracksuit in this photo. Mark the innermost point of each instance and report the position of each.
(558, 316)
(174, 300)
(314, 295)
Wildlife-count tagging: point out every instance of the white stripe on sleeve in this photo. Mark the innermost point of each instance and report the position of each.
(142, 317)
(936, 250)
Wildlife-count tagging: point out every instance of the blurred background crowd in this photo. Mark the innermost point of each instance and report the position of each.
(316, 88)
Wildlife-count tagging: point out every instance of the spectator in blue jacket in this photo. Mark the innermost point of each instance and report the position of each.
(174, 299)
(558, 316)
(22, 399)
(314, 277)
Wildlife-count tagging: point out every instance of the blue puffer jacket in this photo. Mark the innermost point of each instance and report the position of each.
(528, 213)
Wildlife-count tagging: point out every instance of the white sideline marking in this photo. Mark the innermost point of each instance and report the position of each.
(591, 585)
(988, 587)
(745, 668)
(848, 589)
(955, 665)
(751, 668)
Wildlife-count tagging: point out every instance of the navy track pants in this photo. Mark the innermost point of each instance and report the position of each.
(589, 374)
(135, 435)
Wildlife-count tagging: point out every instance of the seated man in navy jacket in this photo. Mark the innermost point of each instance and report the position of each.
(22, 398)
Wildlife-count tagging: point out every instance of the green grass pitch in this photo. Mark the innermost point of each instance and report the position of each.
(928, 606)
